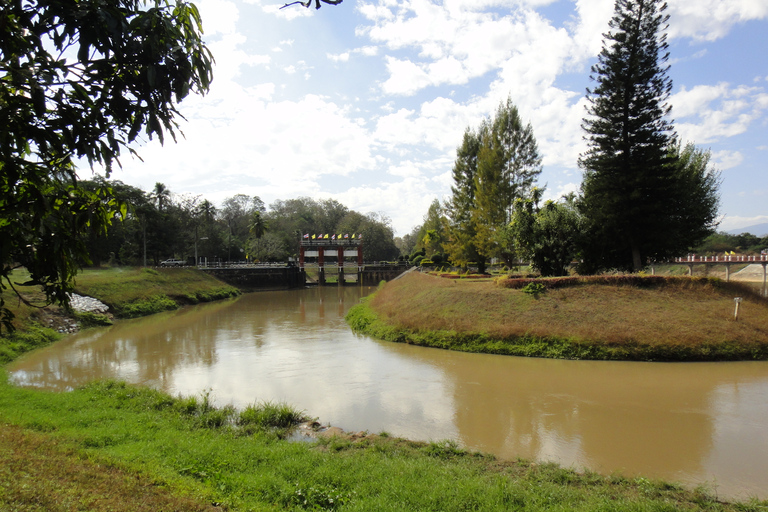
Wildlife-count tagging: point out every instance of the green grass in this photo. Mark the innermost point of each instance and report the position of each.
(149, 441)
(677, 320)
(20, 341)
(132, 292)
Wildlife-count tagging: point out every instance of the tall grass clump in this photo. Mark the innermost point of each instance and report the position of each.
(275, 416)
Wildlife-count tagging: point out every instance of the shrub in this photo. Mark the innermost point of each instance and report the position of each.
(534, 289)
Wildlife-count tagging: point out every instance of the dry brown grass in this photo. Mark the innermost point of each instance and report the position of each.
(677, 314)
(37, 474)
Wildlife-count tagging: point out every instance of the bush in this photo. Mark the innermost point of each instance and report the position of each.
(534, 289)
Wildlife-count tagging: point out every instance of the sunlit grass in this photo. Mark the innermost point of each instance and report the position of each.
(110, 446)
(132, 292)
(679, 320)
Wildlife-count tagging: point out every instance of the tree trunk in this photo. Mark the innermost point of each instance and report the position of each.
(637, 262)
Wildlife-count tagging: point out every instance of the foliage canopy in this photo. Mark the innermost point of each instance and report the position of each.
(494, 165)
(81, 81)
(637, 188)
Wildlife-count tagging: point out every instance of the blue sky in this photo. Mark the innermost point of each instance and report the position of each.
(366, 102)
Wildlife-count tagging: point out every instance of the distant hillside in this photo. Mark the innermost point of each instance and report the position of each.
(760, 230)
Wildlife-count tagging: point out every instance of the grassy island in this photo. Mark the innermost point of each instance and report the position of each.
(648, 318)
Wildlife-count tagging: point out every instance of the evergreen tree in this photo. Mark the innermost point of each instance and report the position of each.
(461, 228)
(634, 194)
(495, 165)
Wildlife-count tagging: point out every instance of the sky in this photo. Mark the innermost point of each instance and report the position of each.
(366, 102)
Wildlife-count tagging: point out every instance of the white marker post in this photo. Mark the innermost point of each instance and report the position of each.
(737, 300)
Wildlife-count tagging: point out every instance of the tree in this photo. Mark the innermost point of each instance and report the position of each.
(495, 165)
(81, 80)
(432, 233)
(546, 236)
(377, 233)
(237, 213)
(634, 191)
(161, 196)
(461, 226)
(268, 247)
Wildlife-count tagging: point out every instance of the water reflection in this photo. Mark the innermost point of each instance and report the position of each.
(686, 422)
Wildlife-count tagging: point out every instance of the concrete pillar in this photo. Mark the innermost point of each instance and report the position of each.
(340, 253)
(321, 266)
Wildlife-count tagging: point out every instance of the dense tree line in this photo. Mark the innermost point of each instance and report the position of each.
(644, 197)
(159, 225)
(743, 243)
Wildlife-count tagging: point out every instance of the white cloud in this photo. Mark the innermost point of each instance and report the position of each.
(219, 16)
(438, 124)
(341, 57)
(368, 51)
(735, 222)
(405, 77)
(459, 41)
(709, 20)
(560, 191)
(717, 112)
(724, 159)
(405, 201)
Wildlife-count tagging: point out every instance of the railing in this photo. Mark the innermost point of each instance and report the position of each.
(731, 258)
(244, 264)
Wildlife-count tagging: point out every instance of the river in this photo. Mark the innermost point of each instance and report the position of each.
(694, 423)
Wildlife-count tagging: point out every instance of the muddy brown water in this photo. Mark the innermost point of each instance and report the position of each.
(694, 423)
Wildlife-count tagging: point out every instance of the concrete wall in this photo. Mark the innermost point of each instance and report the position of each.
(270, 278)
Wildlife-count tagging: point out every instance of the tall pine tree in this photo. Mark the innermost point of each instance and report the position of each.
(634, 188)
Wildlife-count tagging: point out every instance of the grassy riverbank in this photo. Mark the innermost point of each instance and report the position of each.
(109, 446)
(129, 292)
(676, 319)
(132, 292)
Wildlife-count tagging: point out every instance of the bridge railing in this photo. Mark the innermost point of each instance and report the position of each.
(244, 264)
(730, 258)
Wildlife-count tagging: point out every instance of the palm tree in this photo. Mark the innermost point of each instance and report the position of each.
(257, 227)
(161, 195)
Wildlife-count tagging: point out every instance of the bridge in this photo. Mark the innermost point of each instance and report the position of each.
(726, 260)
